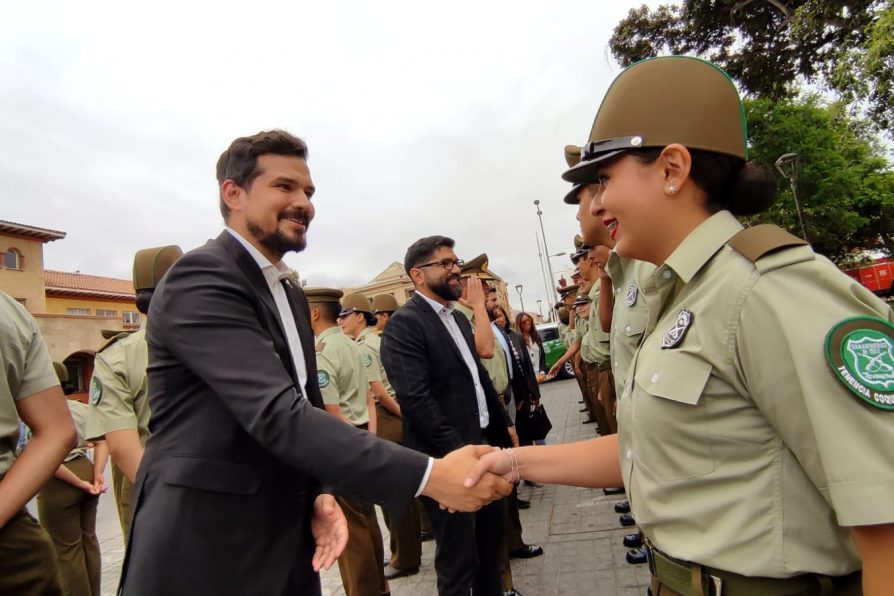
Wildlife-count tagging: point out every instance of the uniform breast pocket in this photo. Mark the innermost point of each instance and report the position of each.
(635, 324)
(671, 426)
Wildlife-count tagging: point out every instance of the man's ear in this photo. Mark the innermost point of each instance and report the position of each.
(231, 194)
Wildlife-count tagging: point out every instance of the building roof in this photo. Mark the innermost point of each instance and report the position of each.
(44, 234)
(61, 283)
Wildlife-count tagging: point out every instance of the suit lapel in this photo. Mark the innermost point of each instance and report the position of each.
(436, 321)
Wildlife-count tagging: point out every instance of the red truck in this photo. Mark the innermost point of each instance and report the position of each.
(878, 276)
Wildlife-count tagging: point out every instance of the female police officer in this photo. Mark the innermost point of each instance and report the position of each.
(755, 428)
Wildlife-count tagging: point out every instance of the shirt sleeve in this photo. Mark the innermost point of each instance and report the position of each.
(842, 444)
(110, 396)
(371, 363)
(37, 372)
(326, 379)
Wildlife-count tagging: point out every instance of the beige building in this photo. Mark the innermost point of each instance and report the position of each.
(395, 281)
(70, 308)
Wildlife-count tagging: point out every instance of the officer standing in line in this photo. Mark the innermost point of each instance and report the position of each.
(383, 306)
(67, 505)
(341, 375)
(30, 392)
(118, 393)
(356, 319)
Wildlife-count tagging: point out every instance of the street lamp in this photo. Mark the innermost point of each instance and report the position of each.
(787, 165)
(518, 288)
(549, 265)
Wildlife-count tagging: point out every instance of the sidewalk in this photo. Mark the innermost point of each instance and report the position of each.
(577, 528)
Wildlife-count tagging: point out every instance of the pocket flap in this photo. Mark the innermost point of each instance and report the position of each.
(636, 323)
(676, 376)
(216, 475)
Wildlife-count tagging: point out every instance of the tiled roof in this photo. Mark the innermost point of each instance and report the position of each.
(78, 284)
(44, 234)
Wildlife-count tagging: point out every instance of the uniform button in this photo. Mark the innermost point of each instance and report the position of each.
(629, 454)
(654, 377)
(667, 274)
(627, 328)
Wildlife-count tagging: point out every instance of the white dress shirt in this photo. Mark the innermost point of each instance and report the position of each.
(445, 313)
(274, 274)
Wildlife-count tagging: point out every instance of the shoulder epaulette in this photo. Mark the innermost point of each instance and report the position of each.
(761, 240)
(114, 339)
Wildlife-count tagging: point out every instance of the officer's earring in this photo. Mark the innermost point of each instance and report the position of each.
(671, 189)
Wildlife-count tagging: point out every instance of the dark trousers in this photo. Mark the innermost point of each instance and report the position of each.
(28, 565)
(595, 409)
(405, 543)
(512, 539)
(467, 549)
(69, 516)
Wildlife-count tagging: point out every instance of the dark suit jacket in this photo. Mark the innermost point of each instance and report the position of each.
(524, 380)
(433, 384)
(224, 494)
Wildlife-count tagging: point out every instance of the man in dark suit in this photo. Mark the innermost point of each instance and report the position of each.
(230, 497)
(447, 400)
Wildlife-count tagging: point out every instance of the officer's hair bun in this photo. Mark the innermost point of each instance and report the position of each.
(729, 182)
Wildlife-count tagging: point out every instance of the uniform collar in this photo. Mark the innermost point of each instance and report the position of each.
(615, 266)
(273, 273)
(364, 333)
(437, 306)
(701, 244)
(330, 331)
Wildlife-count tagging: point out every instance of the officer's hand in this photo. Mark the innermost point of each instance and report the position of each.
(448, 475)
(87, 487)
(474, 294)
(599, 397)
(556, 368)
(330, 530)
(99, 483)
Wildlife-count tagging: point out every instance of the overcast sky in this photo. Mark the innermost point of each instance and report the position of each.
(422, 118)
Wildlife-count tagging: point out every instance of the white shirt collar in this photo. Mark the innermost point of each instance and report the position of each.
(273, 273)
(437, 306)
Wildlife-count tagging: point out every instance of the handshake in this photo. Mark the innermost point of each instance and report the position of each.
(471, 477)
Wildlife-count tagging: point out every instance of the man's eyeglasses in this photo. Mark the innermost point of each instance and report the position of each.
(447, 264)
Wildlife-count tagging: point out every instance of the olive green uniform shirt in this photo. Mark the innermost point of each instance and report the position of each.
(630, 312)
(739, 447)
(371, 343)
(341, 374)
(25, 369)
(118, 390)
(596, 343)
(80, 415)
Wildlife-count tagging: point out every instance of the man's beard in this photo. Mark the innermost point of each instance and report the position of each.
(276, 241)
(444, 290)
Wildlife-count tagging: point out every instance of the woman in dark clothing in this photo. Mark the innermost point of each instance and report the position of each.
(524, 323)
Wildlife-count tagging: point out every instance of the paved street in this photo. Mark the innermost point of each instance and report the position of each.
(577, 528)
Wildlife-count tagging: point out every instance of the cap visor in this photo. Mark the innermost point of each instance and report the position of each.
(571, 198)
(586, 172)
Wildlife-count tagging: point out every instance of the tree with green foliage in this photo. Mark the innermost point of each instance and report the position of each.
(845, 184)
(772, 47)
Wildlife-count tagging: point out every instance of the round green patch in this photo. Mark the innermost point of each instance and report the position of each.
(95, 391)
(367, 359)
(322, 378)
(860, 351)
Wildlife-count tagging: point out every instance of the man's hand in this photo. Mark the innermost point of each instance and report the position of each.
(330, 530)
(474, 295)
(446, 482)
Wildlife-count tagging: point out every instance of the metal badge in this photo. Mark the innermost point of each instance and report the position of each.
(677, 332)
(632, 293)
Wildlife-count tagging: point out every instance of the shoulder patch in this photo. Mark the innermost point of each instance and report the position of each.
(322, 378)
(860, 351)
(321, 345)
(95, 391)
(367, 359)
(113, 340)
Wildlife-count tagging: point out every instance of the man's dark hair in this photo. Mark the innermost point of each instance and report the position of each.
(423, 249)
(328, 310)
(239, 162)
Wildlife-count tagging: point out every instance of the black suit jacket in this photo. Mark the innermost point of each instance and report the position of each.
(433, 385)
(524, 380)
(224, 494)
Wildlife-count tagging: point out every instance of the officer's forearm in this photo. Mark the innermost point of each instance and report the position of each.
(388, 402)
(126, 451)
(335, 410)
(484, 334)
(876, 547)
(562, 463)
(100, 457)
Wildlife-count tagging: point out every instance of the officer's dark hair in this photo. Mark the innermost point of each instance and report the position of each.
(143, 299)
(239, 162)
(423, 249)
(744, 188)
(329, 311)
(369, 318)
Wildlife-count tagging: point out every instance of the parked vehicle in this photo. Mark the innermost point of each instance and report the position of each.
(553, 348)
(878, 276)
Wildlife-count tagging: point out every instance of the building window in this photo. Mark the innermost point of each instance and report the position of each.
(84, 312)
(131, 317)
(12, 259)
(106, 313)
